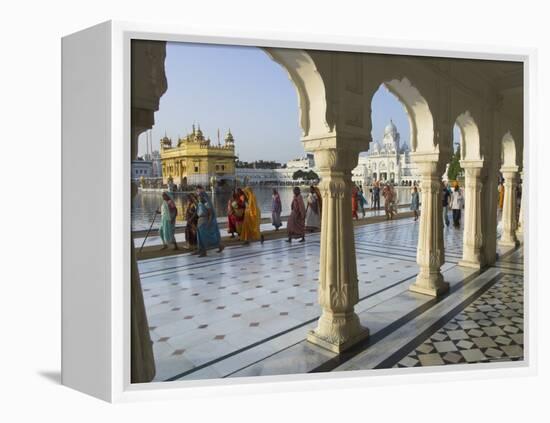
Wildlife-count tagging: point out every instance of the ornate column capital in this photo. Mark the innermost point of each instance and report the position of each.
(333, 159)
(509, 169)
(429, 165)
(341, 141)
(471, 164)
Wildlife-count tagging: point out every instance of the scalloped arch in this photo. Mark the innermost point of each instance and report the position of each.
(303, 73)
(419, 114)
(469, 137)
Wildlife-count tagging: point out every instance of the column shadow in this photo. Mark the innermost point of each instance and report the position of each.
(51, 375)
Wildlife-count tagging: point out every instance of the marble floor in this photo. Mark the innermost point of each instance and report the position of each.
(489, 329)
(246, 311)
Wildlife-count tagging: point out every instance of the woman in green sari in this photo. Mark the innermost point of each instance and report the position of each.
(168, 212)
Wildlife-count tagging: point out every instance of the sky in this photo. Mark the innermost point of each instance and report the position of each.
(242, 89)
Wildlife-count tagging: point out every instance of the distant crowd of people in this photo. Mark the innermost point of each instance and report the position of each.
(390, 198)
(452, 199)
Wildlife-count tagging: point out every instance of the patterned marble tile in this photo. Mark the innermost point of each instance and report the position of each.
(496, 339)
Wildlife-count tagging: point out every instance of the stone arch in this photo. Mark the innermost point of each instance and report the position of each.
(303, 73)
(422, 100)
(508, 150)
(470, 148)
(421, 121)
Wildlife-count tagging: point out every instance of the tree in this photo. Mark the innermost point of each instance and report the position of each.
(454, 167)
(299, 174)
(311, 176)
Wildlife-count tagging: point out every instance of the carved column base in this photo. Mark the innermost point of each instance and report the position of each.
(472, 264)
(338, 332)
(509, 221)
(519, 231)
(430, 283)
(472, 258)
(510, 241)
(519, 235)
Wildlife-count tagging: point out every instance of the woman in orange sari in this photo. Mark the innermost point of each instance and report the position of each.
(252, 216)
(501, 195)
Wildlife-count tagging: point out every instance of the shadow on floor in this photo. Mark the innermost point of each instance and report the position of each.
(51, 375)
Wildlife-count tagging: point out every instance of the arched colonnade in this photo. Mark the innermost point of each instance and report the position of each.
(335, 91)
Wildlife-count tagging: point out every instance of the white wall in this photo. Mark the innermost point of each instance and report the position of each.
(30, 76)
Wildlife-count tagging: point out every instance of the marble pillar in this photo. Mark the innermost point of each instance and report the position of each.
(509, 220)
(472, 239)
(489, 206)
(142, 362)
(338, 327)
(519, 230)
(431, 251)
(148, 86)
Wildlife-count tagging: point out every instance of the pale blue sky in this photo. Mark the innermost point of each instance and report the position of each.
(222, 87)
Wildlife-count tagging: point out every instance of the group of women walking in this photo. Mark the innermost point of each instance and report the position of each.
(304, 217)
(243, 215)
(201, 230)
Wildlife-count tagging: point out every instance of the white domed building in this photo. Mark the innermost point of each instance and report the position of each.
(386, 161)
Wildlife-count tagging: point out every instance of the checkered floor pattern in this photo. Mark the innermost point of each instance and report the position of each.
(490, 329)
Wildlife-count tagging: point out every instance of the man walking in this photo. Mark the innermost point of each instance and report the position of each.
(376, 196)
(457, 202)
(445, 197)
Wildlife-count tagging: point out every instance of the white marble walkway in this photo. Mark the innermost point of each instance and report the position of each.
(247, 310)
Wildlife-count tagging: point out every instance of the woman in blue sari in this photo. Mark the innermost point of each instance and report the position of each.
(208, 232)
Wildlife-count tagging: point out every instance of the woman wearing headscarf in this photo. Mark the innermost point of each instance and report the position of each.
(168, 213)
(362, 201)
(191, 220)
(276, 208)
(238, 204)
(415, 202)
(389, 201)
(500, 194)
(252, 217)
(313, 210)
(208, 232)
(231, 217)
(354, 202)
(296, 221)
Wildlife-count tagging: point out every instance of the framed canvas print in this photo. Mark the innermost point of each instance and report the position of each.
(268, 212)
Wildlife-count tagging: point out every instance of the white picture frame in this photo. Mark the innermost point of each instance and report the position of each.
(95, 130)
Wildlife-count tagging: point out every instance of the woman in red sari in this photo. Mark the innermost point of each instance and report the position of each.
(296, 224)
(237, 205)
(231, 215)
